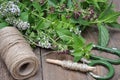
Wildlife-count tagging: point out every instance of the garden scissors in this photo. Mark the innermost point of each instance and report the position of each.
(95, 60)
(103, 63)
(110, 50)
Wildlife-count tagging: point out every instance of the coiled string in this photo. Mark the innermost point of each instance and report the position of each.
(17, 54)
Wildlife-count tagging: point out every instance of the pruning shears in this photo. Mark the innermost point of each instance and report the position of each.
(103, 63)
(110, 50)
(97, 60)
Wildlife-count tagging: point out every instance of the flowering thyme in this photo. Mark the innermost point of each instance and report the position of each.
(76, 30)
(21, 25)
(44, 41)
(9, 9)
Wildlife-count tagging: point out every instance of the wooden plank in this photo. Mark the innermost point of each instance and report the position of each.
(5, 75)
(54, 72)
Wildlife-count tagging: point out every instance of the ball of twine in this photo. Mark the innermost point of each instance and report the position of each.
(17, 54)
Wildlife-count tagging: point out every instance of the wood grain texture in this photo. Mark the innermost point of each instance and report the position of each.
(54, 72)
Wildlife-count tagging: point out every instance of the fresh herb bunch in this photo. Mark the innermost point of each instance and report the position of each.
(9, 10)
(57, 24)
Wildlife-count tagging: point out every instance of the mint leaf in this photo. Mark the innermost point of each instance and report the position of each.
(112, 17)
(36, 5)
(103, 35)
(108, 15)
(80, 21)
(106, 12)
(77, 58)
(64, 34)
(96, 0)
(114, 25)
(95, 3)
(3, 24)
(77, 55)
(52, 3)
(89, 47)
(78, 42)
(69, 4)
(24, 16)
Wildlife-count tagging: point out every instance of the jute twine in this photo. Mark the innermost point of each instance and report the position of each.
(17, 54)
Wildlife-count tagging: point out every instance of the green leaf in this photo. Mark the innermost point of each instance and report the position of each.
(77, 58)
(46, 24)
(43, 24)
(110, 18)
(89, 47)
(77, 55)
(62, 1)
(114, 25)
(97, 0)
(80, 21)
(40, 25)
(32, 35)
(64, 34)
(3, 24)
(84, 22)
(84, 4)
(24, 16)
(103, 35)
(82, 51)
(59, 24)
(69, 4)
(31, 18)
(78, 42)
(95, 3)
(106, 11)
(52, 3)
(37, 6)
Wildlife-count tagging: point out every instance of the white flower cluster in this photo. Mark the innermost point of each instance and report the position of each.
(44, 41)
(76, 30)
(9, 9)
(18, 23)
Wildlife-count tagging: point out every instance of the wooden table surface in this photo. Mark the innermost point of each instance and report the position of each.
(52, 72)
